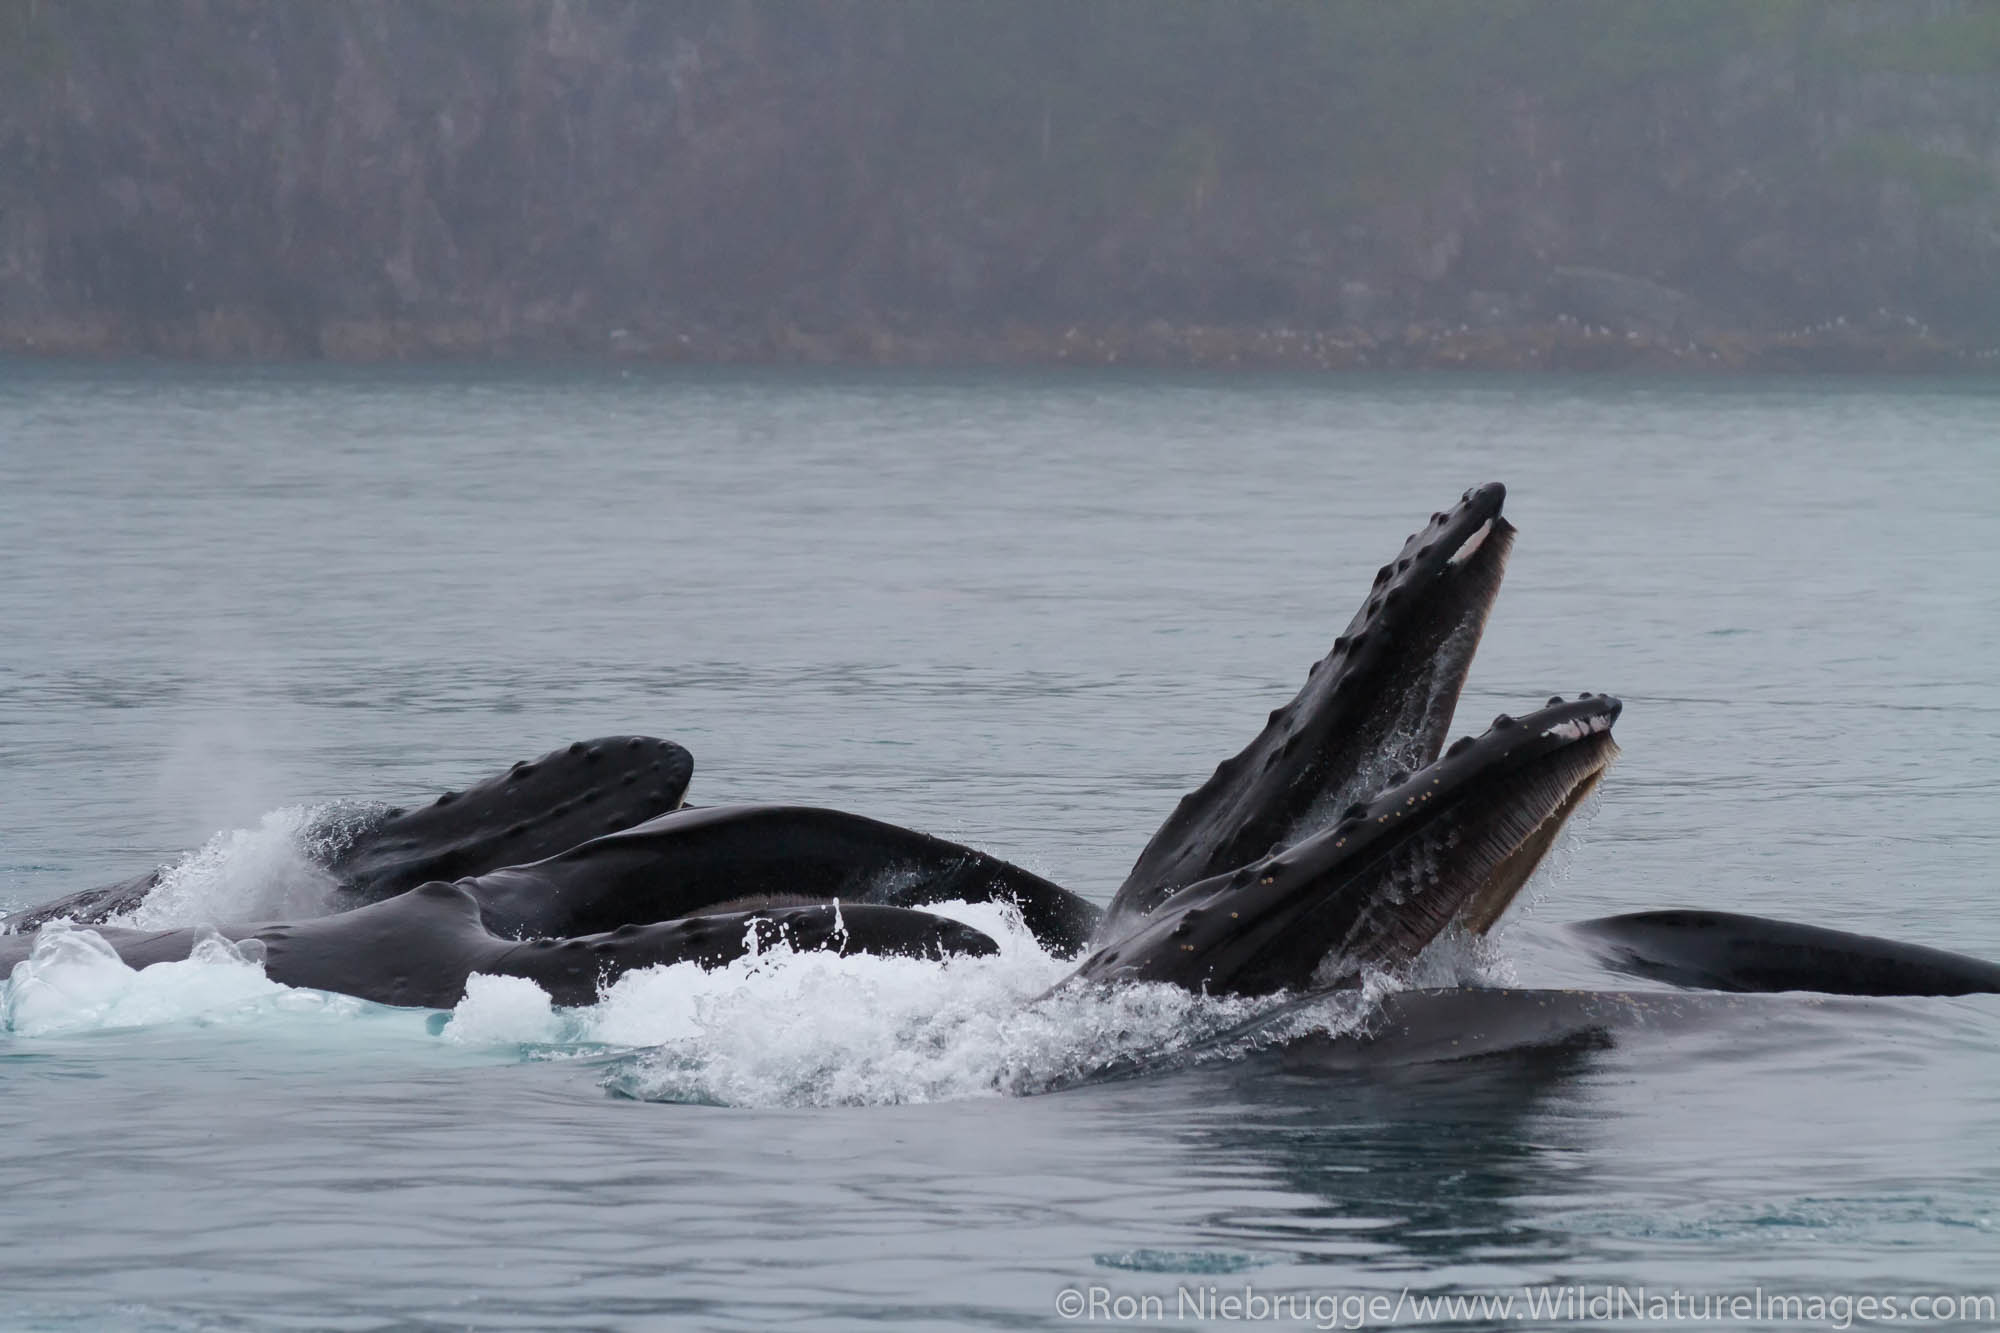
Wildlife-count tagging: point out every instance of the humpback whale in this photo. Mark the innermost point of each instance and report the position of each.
(1462, 1023)
(1378, 703)
(419, 947)
(533, 810)
(519, 845)
(1343, 839)
(1250, 886)
(691, 860)
(1727, 951)
(1456, 839)
(1316, 854)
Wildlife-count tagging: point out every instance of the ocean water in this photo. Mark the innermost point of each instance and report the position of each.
(1027, 612)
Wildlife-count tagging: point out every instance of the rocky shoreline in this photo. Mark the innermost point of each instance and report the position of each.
(1887, 345)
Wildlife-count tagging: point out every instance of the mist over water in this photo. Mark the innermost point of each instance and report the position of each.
(1027, 613)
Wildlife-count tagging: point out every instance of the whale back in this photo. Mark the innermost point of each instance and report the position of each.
(420, 948)
(693, 860)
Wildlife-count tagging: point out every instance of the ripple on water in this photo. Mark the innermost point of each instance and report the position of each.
(1185, 1261)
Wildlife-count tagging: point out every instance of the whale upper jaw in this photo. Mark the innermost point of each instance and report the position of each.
(1455, 841)
(1379, 703)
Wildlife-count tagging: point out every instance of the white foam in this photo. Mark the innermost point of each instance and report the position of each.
(258, 874)
(814, 1029)
(778, 1028)
(502, 1011)
(74, 981)
(1457, 957)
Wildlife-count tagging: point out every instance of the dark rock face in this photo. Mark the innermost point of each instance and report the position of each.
(1621, 301)
(828, 180)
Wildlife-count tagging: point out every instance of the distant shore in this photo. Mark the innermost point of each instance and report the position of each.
(1560, 345)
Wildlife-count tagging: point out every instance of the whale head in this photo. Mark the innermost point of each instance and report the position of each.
(1380, 702)
(1453, 842)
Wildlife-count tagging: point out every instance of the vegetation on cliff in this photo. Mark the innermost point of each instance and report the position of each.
(873, 178)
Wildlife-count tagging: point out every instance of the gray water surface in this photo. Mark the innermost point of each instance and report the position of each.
(1026, 612)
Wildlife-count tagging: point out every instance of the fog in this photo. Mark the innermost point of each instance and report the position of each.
(1510, 184)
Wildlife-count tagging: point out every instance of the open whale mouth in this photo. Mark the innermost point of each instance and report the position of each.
(1453, 842)
(1378, 704)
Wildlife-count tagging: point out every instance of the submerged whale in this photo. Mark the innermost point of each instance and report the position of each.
(1728, 951)
(1432, 1025)
(1343, 840)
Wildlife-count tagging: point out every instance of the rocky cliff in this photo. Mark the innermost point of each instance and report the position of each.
(1273, 181)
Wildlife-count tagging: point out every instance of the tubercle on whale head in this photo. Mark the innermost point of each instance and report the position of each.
(1455, 839)
(531, 810)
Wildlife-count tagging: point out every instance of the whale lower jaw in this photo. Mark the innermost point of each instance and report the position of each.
(1457, 839)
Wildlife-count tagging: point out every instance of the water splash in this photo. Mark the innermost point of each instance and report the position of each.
(267, 873)
(73, 981)
(503, 1011)
(776, 1028)
(813, 1029)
